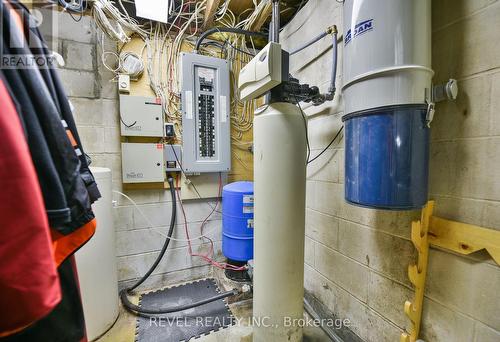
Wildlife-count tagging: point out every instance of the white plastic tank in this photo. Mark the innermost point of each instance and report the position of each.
(279, 218)
(96, 264)
(387, 95)
(387, 53)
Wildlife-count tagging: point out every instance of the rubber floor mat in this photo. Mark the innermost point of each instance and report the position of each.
(182, 325)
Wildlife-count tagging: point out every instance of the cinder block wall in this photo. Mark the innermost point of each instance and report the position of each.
(94, 95)
(357, 259)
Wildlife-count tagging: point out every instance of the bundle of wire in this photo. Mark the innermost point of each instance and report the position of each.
(162, 45)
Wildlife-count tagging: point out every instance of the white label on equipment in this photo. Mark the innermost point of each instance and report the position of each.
(206, 73)
(189, 104)
(250, 223)
(223, 108)
(156, 10)
(247, 210)
(247, 199)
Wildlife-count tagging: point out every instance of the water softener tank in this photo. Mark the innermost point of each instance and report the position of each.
(387, 85)
(237, 221)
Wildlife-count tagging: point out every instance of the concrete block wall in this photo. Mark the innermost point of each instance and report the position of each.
(356, 259)
(94, 96)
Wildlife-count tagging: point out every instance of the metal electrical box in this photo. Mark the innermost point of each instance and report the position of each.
(141, 116)
(173, 157)
(143, 163)
(205, 114)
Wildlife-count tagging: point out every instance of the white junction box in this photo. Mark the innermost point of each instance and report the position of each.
(124, 84)
(143, 163)
(141, 116)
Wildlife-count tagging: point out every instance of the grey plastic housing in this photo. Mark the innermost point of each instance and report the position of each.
(140, 116)
(205, 98)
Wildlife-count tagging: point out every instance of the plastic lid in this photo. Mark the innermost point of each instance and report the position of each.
(243, 186)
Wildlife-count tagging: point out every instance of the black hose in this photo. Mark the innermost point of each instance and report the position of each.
(226, 29)
(137, 309)
(142, 310)
(170, 180)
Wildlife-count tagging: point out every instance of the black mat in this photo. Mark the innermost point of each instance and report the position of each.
(183, 325)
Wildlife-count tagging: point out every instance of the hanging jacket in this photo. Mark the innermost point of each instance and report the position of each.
(55, 87)
(72, 223)
(59, 131)
(29, 284)
(62, 152)
(63, 324)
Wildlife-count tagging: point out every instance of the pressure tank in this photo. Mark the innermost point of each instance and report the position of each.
(279, 176)
(237, 221)
(387, 86)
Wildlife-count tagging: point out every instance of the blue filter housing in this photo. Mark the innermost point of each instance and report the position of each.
(387, 157)
(237, 221)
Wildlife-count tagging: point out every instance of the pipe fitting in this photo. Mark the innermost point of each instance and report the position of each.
(332, 29)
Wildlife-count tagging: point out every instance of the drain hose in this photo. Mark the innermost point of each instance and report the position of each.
(137, 309)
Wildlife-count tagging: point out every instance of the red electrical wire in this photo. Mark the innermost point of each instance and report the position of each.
(210, 254)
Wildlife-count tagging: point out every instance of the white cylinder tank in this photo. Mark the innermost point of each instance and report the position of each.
(279, 181)
(387, 53)
(96, 264)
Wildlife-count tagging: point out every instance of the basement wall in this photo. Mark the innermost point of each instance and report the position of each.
(357, 259)
(94, 95)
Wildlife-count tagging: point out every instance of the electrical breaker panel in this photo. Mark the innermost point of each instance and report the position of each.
(141, 116)
(205, 114)
(143, 163)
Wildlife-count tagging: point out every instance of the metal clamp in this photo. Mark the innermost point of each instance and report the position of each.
(430, 113)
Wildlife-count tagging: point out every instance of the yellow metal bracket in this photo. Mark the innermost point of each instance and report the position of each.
(455, 236)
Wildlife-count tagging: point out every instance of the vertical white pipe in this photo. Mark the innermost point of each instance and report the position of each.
(279, 176)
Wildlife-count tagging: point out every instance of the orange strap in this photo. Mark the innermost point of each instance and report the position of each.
(66, 245)
(11, 332)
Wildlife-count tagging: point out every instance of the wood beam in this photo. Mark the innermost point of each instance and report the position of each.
(417, 273)
(464, 238)
(210, 10)
(450, 235)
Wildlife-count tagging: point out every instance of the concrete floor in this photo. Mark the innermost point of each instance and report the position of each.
(124, 328)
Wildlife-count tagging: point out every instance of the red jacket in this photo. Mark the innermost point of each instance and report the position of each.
(29, 284)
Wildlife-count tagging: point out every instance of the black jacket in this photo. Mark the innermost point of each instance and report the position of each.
(43, 107)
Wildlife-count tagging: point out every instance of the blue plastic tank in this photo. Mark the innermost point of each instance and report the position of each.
(387, 157)
(237, 221)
